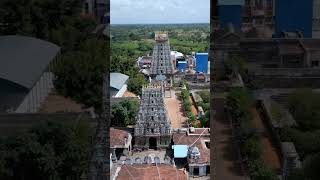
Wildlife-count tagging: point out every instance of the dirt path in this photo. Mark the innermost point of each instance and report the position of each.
(193, 107)
(270, 155)
(175, 111)
(224, 155)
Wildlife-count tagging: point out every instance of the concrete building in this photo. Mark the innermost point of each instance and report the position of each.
(258, 13)
(144, 62)
(182, 65)
(118, 84)
(197, 141)
(244, 14)
(202, 63)
(292, 16)
(230, 12)
(283, 62)
(153, 127)
(26, 76)
(97, 9)
(316, 19)
(120, 143)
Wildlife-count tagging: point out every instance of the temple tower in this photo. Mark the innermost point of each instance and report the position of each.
(161, 63)
(153, 127)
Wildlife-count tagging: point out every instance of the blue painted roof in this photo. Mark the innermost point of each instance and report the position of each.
(180, 151)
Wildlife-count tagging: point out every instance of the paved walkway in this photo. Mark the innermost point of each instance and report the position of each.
(224, 153)
(175, 111)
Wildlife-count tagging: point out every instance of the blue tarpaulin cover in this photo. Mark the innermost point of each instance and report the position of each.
(180, 151)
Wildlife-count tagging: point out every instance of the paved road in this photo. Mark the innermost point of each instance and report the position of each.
(225, 153)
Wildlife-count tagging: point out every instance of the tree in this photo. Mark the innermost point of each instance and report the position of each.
(304, 104)
(81, 73)
(119, 115)
(124, 113)
(205, 120)
(50, 150)
(135, 84)
(311, 167)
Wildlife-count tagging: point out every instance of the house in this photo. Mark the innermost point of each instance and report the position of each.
(193, 144)
(120, 143)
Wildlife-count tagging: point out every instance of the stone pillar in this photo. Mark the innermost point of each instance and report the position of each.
(191, 170)
(202, 171)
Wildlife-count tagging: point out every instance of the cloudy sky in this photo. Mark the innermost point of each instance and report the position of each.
(159, 11)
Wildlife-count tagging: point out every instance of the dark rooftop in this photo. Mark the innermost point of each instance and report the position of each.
(23, 59)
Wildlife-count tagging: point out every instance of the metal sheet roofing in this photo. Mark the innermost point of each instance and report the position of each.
(23, 59)
(117, 80)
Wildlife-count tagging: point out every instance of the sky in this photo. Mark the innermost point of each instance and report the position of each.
(159, 11)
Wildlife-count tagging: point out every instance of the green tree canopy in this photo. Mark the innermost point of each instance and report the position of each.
(124, 113)
(50, 150)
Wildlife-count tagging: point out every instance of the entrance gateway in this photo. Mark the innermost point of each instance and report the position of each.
(153, 143)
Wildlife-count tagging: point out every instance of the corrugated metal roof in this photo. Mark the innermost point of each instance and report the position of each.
(23, 59)
(117, 80)
(230, 2)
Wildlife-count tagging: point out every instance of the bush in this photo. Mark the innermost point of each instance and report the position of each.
(124, 113)
(205, 95)
(304, 104)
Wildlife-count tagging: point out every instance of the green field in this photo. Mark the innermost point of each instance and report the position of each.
(128, 42)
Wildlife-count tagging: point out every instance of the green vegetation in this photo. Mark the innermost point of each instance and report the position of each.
(56, 150)
(124, 113)
(84, 56)
(50, 150)
(278, 113)
(309, 170)
(187, 104)
(81, 73)
(240, 103)
(205, 104)
(185, 94)
(132, 41)
(304, 105)
(236, 64)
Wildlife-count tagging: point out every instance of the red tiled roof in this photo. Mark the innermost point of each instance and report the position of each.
(200, 130)
(184, 139)
(150, 172)
(117, 137)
